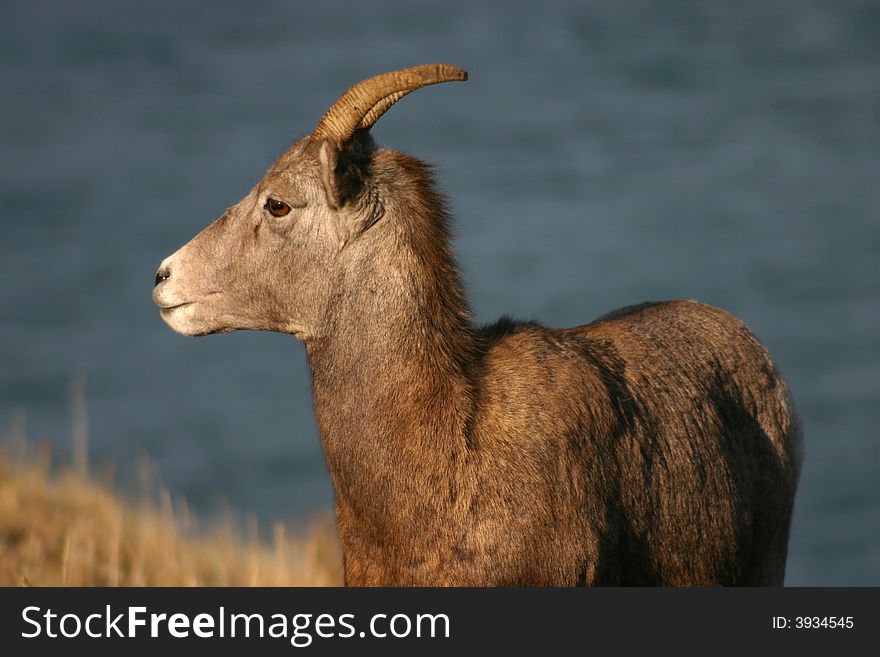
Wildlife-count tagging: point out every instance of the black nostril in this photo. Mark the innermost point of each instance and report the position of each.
(162, 275)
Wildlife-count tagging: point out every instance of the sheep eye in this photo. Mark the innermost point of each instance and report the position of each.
(276, 208)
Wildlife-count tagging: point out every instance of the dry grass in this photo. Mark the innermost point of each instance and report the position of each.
(67, 529)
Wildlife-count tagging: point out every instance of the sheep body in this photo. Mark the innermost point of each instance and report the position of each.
(626, 451)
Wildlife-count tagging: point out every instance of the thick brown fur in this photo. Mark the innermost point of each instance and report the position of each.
(657, 445)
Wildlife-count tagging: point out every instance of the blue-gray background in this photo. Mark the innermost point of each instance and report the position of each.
(602, 154)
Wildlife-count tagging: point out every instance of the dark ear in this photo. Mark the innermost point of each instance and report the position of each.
(345, 168)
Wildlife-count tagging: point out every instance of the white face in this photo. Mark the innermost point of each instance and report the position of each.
(267, 264)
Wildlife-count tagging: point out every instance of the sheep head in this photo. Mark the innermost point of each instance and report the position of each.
(271, 262)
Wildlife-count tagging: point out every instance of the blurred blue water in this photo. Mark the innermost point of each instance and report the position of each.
(602, 154)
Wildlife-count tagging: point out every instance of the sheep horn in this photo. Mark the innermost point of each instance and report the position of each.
(362, 104)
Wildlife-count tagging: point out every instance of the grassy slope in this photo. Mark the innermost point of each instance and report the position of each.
(68, 530)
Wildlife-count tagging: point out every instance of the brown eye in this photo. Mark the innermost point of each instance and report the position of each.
(276, 207)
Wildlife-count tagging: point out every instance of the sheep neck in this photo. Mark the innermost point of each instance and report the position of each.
(393, 389)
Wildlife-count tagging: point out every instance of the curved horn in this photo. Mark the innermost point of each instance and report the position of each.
(362, 104)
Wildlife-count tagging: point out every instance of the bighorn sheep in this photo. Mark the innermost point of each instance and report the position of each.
(657, 445)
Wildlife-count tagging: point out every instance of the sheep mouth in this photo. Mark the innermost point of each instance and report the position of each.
(168, 309)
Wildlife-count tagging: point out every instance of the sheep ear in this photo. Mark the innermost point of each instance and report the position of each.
(327, 158)
(345, 168)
